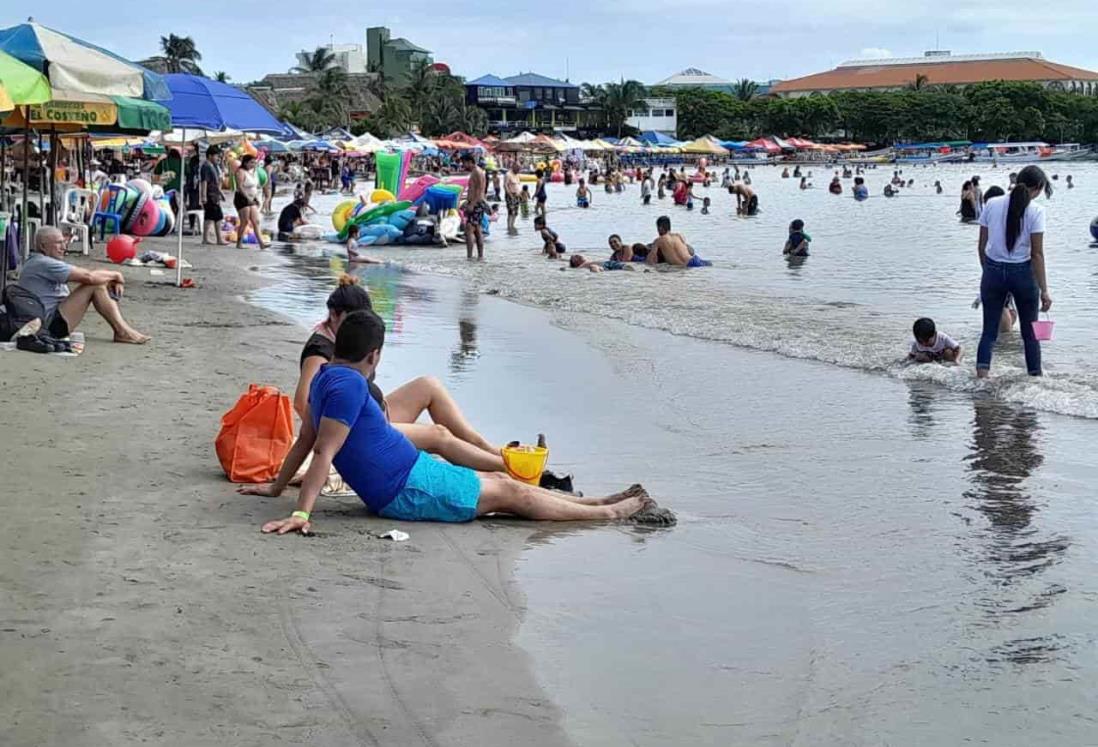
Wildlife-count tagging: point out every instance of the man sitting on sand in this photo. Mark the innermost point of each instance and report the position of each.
(672, 248)
(345, 427)
(46, 275)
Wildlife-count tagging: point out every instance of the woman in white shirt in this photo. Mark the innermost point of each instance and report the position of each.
(1012, 253)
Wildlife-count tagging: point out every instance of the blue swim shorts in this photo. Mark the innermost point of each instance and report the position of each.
(436, 491)
(697, 261)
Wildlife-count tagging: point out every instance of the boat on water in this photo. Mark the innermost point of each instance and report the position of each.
(1030, 152)
(945, 152)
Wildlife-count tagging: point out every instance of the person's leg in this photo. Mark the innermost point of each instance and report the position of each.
(993, 293)
(469, 238)
(1027, 300)
(241, 226)
(500, 494)
(428, 394)
(480, 242)
(75, 306)
(437, 439)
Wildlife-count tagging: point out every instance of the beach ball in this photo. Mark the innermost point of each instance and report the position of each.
(122, 247)
(1094, 228)
(261, 174)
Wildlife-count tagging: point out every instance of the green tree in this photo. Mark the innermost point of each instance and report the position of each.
(180, 54)
(746, 89)
(317, 61)
(393, 117)
(920, 83)
(621, 99)
(221, 76)
(420, 89)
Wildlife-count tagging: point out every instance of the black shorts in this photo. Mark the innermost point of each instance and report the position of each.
(212, 211)
(58, 327)
(240, 201)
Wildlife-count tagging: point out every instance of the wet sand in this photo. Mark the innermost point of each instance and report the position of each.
(859, 559)
(139, 602)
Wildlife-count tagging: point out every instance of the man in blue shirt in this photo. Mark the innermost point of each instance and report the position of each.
(344, 426)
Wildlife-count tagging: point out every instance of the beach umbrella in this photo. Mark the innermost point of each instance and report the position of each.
(201, 106)
(20, 84)
(74, 65)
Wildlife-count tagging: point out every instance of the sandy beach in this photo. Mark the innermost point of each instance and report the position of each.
(141, 604)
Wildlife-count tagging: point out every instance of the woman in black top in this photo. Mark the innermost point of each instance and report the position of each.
(450, 436)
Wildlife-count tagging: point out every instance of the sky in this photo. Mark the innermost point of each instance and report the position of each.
(589, 40)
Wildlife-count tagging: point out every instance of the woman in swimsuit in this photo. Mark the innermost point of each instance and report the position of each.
(246, 201)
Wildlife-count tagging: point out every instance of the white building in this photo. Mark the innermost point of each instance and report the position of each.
(350, 57)
(660, 115)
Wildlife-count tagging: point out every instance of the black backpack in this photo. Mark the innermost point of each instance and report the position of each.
(17, 307)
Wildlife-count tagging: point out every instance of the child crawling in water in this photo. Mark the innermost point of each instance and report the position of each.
(552, 246)
(932, 346)
(579, 262)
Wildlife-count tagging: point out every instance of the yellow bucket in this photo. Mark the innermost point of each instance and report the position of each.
(525, 463)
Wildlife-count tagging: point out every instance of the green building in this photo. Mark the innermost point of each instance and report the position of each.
(393, 58)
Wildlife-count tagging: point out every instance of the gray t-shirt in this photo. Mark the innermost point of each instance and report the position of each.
(47, 279)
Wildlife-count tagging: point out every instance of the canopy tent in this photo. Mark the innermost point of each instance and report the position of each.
(705, 145)
(630, 142)
(180, 137)
(336, 134)
(800, 144)
(20, 84)
(270, 145)
(734, 145)
(657, 138)
(207, 104)
(74, 65)
(367, 143)
(763, 143)
(468, 140)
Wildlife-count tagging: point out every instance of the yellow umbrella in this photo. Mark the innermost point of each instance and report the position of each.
(20, 84)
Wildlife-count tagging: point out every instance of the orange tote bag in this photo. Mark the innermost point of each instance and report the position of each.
(256, 435)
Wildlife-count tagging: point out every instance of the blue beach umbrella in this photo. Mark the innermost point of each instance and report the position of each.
(203, 104)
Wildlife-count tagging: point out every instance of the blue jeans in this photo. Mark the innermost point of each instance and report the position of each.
(1001, 278)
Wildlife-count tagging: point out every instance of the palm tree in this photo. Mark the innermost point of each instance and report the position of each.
(422, 83)
(317, 61)
(394, 117)
(621, 99)
(332, 94)
(475, 121)
(180, 54)
(746, 89)
(919, 84)
(221, 76)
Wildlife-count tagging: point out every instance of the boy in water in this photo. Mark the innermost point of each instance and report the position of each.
(932, 346)
(552, 247)
(524, 202)
(797, 243)
(583, 195)
(705, 206)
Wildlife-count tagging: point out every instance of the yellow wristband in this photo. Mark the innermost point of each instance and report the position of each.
(300, 515)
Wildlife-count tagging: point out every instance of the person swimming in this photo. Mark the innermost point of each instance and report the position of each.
(797, 243)
(861, 192)
(579, 262)
(836, 186)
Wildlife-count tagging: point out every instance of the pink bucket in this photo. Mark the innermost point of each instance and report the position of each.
(1042, 329)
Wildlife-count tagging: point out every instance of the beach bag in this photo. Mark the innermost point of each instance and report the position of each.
(17, 307)
(256, 435)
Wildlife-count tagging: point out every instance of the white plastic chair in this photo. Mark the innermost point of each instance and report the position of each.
(75, 204)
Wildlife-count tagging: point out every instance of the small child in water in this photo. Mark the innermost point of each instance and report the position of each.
(705, 206)
(352, 242)
(583, 195)
(579, 262)
(932, 346)
(552, 246)
(797, 243)
(524, 202)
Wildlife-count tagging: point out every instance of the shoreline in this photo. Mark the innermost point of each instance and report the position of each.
(141, 602)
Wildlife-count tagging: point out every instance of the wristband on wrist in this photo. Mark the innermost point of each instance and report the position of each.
(304, 515)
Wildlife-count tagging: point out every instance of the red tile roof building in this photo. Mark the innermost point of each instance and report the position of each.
(941, 68)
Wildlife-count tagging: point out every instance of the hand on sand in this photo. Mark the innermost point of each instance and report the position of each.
(267, 490)
(285, 526)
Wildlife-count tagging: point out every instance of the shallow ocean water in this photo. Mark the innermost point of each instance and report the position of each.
(875, 267)
(866, 554)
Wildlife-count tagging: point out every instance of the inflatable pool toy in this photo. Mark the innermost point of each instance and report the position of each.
(372, 215)
(415, 190)
(392, 170)
(528, 178)
(308, 232)
(261, 174)
(342, 213)
(379, 196)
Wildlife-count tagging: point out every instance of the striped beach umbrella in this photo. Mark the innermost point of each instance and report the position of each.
(20, 84)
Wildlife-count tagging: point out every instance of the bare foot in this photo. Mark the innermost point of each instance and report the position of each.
(635, 490)
(651, 514)
(132, 338)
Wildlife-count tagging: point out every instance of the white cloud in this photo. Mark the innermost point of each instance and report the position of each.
(874, 53)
